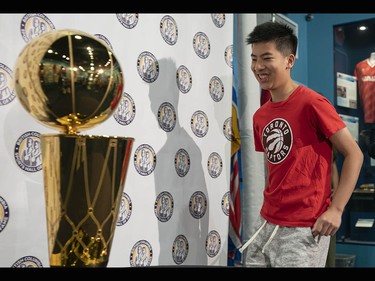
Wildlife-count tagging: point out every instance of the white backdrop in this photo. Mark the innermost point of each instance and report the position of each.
(193, 46)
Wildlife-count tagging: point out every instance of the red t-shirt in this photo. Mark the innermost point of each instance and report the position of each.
(294, 136)
(265, 95)
(365, 73)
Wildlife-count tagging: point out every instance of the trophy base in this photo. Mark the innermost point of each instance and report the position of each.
(56, 261)
(84, 179)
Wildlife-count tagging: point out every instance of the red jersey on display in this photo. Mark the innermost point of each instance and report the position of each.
(365, 73)
(294, 136)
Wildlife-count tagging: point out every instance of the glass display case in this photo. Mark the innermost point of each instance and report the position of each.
(354, 72)
(361, 219)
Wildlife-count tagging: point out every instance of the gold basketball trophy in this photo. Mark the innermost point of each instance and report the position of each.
(71, 81)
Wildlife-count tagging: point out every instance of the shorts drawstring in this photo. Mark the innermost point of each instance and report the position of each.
(251, 238)
(256, 234)
(271, 237)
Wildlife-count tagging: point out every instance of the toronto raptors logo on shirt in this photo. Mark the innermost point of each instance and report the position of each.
(277, 140)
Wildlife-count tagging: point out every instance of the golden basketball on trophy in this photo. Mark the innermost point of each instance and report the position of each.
(71, 81)
(68, 80)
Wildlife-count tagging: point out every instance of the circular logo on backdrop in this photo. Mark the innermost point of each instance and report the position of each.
(213, 243)
(33, 25)
(218, 19)
(182, 162)
(225, 203)
(141, 254)
(184, 79)
(228, 55)
(201, 45)
(28, 152)
(145, 159)
(126, 207)
(277, 139)
(216, 88)
(163, 206)
(148, 67)
(7, 93)
(128, 20)
(180, 249)
(199, 123)
(4, 213)
(125, 111)
(214, 165)
(227, 128)
(105, 39)
(198, 204)
(28, 262)
(168, 30)
(167, 116)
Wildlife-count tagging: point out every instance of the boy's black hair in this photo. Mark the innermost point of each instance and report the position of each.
(283, 35)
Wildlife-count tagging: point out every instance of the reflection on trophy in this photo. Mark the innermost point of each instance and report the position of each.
(71, 81)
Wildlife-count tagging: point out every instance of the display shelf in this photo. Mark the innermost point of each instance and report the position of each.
(350, 241)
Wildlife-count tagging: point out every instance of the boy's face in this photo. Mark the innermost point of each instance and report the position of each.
(270, 67)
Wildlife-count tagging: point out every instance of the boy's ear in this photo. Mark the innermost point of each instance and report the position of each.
(290, 63)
